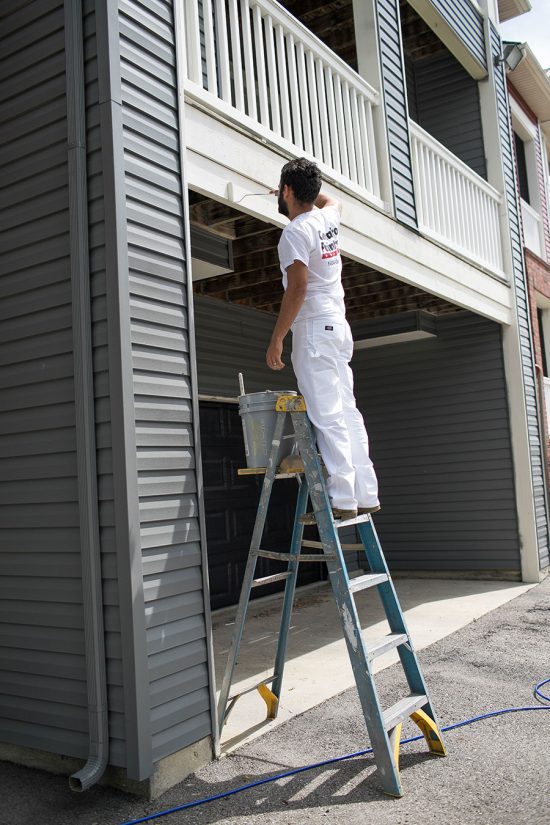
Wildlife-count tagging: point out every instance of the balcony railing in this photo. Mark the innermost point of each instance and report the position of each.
(533, 237)
(255, 63)
(455, 205)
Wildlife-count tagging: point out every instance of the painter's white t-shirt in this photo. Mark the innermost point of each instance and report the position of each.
(313, 238)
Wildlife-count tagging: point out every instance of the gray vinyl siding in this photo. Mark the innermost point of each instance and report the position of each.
(168, 501)
(43, 702)
(446, 104)
(467, 23)
(522, 308)
(96, 240)
(233, 339)
(395, 101)
(436, 413)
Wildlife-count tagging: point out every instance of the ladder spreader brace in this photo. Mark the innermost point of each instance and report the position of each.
(383, 726)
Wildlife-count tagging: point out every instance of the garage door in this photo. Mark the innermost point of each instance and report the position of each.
(231, 502)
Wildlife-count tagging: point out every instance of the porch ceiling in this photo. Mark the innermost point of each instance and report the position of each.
(256, 279)
(332, 22)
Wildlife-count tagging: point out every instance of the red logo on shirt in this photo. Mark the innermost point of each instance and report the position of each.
(329, 243)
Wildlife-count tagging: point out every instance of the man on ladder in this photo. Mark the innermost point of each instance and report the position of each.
(322, 345)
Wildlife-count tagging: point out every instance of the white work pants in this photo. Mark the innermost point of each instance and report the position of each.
(321, 351)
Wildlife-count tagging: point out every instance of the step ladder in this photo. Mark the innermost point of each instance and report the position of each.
(383, 726)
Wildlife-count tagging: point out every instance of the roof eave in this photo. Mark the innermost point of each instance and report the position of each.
(533, 84)
(508, 9)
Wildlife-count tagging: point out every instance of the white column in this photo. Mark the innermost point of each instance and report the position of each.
(530, 571)
(368, 59)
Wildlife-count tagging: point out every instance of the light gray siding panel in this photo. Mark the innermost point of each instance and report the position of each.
(436, 413)
(169, 523)
(522, 308)
(467, 23)
(42, 672)
(395, 98)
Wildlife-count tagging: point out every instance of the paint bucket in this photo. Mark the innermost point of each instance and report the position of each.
(258, 414)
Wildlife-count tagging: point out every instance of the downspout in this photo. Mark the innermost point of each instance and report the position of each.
(96, 679)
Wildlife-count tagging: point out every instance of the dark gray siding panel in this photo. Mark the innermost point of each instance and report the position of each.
(168, 503)
(447, 106)
(467, 23)
(436, 412)
(395, 100)
(43, 701)
(522, 307)
(233, 339)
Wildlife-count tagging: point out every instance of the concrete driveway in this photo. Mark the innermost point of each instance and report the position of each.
(497, 771)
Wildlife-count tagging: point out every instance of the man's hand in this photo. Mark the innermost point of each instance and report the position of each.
(273, 355)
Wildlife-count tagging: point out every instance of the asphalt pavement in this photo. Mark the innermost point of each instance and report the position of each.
(497, 771)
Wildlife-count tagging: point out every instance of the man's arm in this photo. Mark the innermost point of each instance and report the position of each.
(292, 302)
(323, 200)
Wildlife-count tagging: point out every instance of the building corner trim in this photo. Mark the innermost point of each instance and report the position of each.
(179, 33)
(139, 759)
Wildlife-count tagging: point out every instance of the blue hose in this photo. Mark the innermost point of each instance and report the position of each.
(541, 697)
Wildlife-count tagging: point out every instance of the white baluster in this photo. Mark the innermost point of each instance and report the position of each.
(417, 181)
(272, 74)
(433, 190)
(323, 107)
(446, 206)
(332, 122)
(358, 139)
(304, 98)
(193, 45)
(210, 47)
(260, 65)
(340, 120)
(349, 132)
(485, 233)
(459, 208)
(236, 55)
(294, 93)
(248, 60)
(283, 83)
(366, 107)
(222, 43)
(314, 106)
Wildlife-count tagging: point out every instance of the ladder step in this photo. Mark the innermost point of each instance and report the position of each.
(273, 554)
(369, 580)
(251, 688)
(276, 577)
(386, 643)
(345, 547)
(402, 710)
(357, 520)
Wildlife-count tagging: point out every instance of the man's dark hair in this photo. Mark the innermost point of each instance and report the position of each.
(304, 177)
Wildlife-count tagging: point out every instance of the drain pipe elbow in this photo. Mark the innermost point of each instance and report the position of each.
(98, 758)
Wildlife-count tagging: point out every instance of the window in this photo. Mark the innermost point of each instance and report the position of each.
(522, 168)
(540, 318)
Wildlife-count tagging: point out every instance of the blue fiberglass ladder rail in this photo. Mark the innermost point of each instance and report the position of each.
(383, 726)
